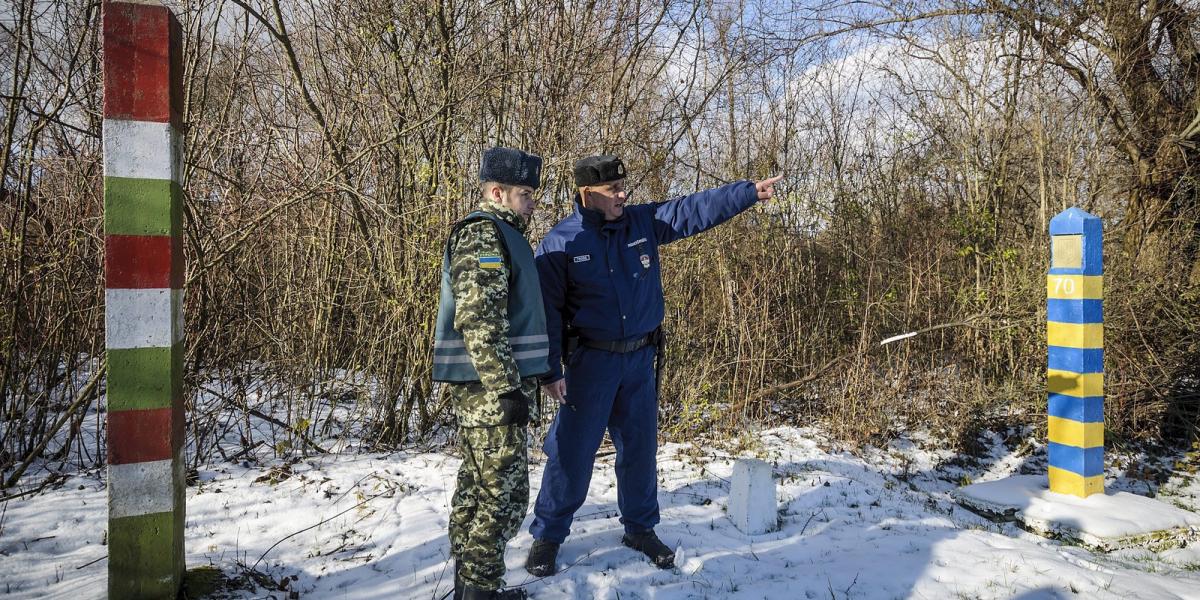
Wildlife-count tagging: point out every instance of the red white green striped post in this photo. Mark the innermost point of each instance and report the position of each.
(143, 268)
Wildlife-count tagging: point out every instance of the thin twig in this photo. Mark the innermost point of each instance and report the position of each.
(84, 395)
(88, 564)
(268, 418)
(318, 524)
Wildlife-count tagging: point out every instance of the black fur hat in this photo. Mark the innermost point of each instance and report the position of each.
(510, 166)
(598, 169)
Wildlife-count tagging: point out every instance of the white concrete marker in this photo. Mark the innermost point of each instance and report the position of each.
(752, 497)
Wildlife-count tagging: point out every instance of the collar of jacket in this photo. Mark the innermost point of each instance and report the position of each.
(505, 213)
(594, 218)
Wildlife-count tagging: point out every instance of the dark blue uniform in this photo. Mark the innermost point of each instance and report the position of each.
(603, 279)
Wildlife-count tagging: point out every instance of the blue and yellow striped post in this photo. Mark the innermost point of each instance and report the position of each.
(1075, 369)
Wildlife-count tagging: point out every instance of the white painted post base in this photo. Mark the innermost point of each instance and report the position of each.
(752, 505)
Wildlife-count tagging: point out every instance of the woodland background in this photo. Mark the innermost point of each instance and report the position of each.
(330, 145)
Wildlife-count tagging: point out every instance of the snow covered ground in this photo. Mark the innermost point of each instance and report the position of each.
(877, 523)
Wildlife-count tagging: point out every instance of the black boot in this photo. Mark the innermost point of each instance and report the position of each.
(510, 594)
(471, 592)
(543, 559)
(648, 543)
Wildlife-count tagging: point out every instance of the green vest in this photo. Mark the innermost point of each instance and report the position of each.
(526, 316)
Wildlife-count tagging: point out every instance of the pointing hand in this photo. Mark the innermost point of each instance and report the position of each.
(766, 187)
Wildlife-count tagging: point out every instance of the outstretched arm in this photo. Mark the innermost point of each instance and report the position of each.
(694, 213)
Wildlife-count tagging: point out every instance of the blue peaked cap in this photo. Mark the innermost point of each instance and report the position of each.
(510, 167)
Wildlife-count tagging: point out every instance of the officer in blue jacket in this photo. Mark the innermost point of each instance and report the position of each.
(602, 291)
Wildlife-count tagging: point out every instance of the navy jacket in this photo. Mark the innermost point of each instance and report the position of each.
(603, 277)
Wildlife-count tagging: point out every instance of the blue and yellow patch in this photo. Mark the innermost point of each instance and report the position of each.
(490, 261)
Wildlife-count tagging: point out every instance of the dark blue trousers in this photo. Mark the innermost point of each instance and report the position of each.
(604, 390)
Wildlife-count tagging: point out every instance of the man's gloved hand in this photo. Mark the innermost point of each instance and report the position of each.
(514, 408)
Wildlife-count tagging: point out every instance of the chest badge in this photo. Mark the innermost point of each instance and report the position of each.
(582, 258)
(645, 261)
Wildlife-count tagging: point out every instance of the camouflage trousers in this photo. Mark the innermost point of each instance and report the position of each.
(492, 493)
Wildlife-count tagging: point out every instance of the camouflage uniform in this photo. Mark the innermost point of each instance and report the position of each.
(492, 493)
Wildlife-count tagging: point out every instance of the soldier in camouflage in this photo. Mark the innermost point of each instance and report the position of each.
(491, 347)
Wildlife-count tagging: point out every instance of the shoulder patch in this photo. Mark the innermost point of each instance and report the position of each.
(490, 261)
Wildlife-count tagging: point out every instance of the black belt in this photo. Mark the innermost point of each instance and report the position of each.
(623, 347)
